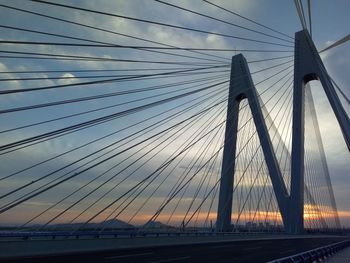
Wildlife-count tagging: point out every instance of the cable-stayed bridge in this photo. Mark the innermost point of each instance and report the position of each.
(125, 126)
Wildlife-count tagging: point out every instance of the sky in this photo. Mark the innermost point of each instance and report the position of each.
(329, 23)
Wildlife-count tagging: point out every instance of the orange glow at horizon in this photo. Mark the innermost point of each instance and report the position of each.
(310, 213)
(314, 212)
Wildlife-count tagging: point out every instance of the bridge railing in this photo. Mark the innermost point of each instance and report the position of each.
(314, 255)
(123, 234)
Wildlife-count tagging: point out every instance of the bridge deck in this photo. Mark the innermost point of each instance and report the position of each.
(261, 250)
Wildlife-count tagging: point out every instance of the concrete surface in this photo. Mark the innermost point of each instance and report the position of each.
(342, 256)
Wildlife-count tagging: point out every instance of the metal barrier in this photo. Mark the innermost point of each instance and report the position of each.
(122, 234)
(314, 255)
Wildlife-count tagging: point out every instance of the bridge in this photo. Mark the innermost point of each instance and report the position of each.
(166, 132)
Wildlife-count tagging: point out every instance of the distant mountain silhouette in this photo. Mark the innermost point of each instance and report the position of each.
(156, 225)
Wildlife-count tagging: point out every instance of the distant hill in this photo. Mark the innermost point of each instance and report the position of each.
(156, 225)
(116, 223)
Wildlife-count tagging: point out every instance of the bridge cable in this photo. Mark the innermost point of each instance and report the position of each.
(105, 46)
(222, 21)
(100, 59)
(93, 70)
(158, 23)
(309, 14)
(300, 12)
(103, 76)
(248, 19)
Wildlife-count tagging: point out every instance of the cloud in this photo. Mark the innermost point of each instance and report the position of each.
(67, 78)
(12, 84)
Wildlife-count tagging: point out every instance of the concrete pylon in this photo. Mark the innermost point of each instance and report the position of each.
(307, 66)
(242, 87)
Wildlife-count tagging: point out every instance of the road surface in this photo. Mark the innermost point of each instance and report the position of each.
(236, 251)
